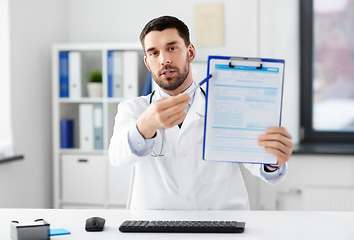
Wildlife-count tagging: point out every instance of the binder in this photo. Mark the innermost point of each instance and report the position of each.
(98, 126)
(66, 133)
(117, 74)
(134, 73)
(110, 73)
(75, 75)
(63, 75)
(130, 74)
(86, 126)
(243, 98)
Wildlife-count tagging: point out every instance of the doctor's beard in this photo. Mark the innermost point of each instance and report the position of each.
(174, 82)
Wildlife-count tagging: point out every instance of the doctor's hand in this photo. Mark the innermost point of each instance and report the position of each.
(277, 141)
(162, 114)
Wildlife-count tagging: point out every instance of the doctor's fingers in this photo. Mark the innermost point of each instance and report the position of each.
(281, 157)
(287, 150)
(177, 119)
(167, 102)
(276, 137)
(172, 116)
(164, 111)
(180, 107)
(279, 130)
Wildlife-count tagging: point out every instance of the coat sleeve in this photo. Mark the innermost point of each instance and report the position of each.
(271, 178)
(120, 153)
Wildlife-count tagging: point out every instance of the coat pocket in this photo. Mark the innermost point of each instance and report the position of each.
(210, 172)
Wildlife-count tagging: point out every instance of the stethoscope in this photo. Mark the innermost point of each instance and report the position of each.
(160, 154)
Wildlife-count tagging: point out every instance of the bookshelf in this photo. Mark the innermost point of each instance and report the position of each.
(84, 177)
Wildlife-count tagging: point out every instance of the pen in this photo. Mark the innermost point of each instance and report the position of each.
(201, 83)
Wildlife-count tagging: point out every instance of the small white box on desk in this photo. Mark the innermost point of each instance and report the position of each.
(82, 179)
(37, 230)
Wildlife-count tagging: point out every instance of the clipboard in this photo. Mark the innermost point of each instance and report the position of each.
(243, 98)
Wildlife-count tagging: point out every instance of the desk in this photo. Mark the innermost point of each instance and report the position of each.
(259, 224)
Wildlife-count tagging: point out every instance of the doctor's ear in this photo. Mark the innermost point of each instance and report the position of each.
(192, 52)
(146, 63)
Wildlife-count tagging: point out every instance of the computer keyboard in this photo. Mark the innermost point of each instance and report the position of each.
(182, 226)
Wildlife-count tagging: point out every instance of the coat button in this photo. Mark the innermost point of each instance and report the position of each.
(187, 198)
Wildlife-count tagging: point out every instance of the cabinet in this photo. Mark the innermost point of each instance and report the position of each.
(82, 174)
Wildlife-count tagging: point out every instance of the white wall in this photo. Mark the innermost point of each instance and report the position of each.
(6, 147)
(34, 26)
(123, 21)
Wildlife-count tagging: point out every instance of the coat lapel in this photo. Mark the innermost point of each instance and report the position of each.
(175, 130)
(196, 111)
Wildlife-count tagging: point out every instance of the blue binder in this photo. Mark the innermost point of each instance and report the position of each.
(64, 74)
(110, 73)
(66, 133)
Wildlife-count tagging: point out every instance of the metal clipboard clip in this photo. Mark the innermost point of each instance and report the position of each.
(246, 59)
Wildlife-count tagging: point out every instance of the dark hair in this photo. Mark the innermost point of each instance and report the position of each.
(165, 22)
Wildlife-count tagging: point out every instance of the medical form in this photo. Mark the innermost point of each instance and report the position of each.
(243, 99)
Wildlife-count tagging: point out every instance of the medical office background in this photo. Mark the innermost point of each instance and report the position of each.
(252, 28)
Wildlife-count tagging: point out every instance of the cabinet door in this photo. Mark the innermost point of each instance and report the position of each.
(119, 183)
(82, 179)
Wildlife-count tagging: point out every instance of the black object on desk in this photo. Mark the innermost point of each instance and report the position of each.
(182, 226)
(94, 224)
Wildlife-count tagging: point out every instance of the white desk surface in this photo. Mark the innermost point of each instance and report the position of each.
(259, 224)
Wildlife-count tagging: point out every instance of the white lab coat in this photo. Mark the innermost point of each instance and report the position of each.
(180, 179)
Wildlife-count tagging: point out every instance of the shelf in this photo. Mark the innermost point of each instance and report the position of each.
(97, 46)
(91, 100)
(75, 151)
(81, 100)
(84, 122)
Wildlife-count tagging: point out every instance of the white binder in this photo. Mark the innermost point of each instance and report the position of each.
(130, 74)
(86, 126)
(75, 75)
(117, 74)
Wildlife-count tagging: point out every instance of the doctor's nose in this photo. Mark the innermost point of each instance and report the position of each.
(165, 61)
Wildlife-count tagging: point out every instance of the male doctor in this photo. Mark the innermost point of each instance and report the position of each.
(161, 135)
